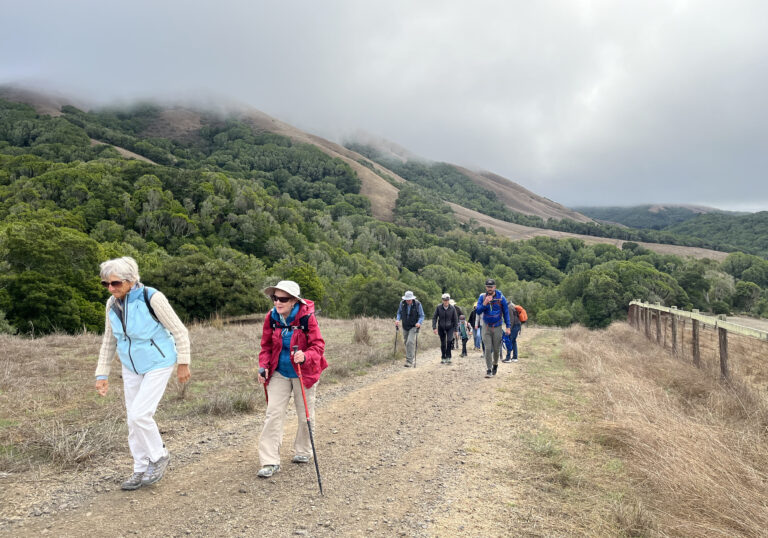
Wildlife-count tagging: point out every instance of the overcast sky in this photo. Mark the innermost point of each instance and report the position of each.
(602, 102)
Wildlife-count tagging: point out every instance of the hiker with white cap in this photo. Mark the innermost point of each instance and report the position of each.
(445, 323)
(289, 325)
(411, 314)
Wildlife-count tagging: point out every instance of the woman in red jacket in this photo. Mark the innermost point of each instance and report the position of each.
(290, 323)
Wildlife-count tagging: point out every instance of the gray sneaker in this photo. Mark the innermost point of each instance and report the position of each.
(300, 458)
(267, 471)
(132, 482)
(488, 374)
(156, 470)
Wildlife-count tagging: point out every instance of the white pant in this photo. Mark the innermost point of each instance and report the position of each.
(280, 389)
(142, 395)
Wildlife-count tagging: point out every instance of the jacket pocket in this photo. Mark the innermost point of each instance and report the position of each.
(157, 347)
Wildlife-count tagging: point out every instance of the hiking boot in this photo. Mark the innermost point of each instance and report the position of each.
(448, 361)
(300, 458)
(407, 365)
(495, 367)
(507, 360)
(488, 374)
(156, 470)
(132, 482)
(267, 471)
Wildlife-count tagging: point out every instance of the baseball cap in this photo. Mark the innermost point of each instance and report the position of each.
(446, 296)
(490, 282)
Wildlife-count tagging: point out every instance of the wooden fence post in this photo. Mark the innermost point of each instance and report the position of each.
(723, 337)
(681, 349)
(647, 323)
(674, 333)
(658, 327)
(695, 343)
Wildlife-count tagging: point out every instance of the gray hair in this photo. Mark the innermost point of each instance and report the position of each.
(124, 268)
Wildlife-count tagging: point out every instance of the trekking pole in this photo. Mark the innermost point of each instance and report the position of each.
(394, 353)
(309, 424)
(416, 347)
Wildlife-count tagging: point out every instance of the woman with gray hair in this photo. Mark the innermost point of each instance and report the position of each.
(149, 339)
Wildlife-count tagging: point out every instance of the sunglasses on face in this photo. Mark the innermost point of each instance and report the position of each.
(114, 283)
(278, 299)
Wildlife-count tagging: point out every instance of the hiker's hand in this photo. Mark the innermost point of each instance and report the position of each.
(262, 377)
(182, 372)
(418, 325)
(488, 299)
(507, 331)
(102, 386)
(434, 331)
(298, 357)
(397, 323)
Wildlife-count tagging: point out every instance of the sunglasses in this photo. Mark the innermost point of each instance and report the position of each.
(114, 283)
(278, 299)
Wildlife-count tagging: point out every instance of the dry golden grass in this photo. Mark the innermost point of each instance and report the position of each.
(696, 447)
(51, 415)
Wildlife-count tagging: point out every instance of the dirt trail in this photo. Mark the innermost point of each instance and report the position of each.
(410, 452)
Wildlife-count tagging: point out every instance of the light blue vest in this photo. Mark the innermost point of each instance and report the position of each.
(143, 344)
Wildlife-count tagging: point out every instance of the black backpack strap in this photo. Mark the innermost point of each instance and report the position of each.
(149, 305)
(304, 324)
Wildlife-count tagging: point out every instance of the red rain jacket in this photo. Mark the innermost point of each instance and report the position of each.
(312, 344)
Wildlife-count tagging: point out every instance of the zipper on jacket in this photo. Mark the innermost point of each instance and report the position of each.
(152, 341)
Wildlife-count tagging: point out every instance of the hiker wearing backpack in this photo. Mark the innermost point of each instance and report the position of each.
(493, 307)
(474, 322)
(290, 324)
(510, 340)
(465, 332)
(411, 314)
(444, 323)
(150, 340)
(456, 336)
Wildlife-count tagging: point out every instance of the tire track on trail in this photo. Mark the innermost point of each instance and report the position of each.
(389, 452)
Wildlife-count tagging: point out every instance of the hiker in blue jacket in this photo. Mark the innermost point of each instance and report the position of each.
(493, 306)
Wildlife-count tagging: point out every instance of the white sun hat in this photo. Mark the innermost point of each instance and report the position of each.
(288, 286)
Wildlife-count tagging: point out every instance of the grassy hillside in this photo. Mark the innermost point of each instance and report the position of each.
(499, 198)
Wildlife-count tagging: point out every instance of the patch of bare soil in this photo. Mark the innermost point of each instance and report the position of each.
(124, 152)
(436, 450)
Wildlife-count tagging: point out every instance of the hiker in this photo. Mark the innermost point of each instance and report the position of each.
(510, 339)
(411, 313)
(459, 312)
(492, 305)
(465, 330)
(474, 323)
(150, 340)
(290, 323)
(444, 323)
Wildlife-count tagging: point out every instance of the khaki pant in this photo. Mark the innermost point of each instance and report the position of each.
(409, 338)
(492, 340)
(280, 389)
